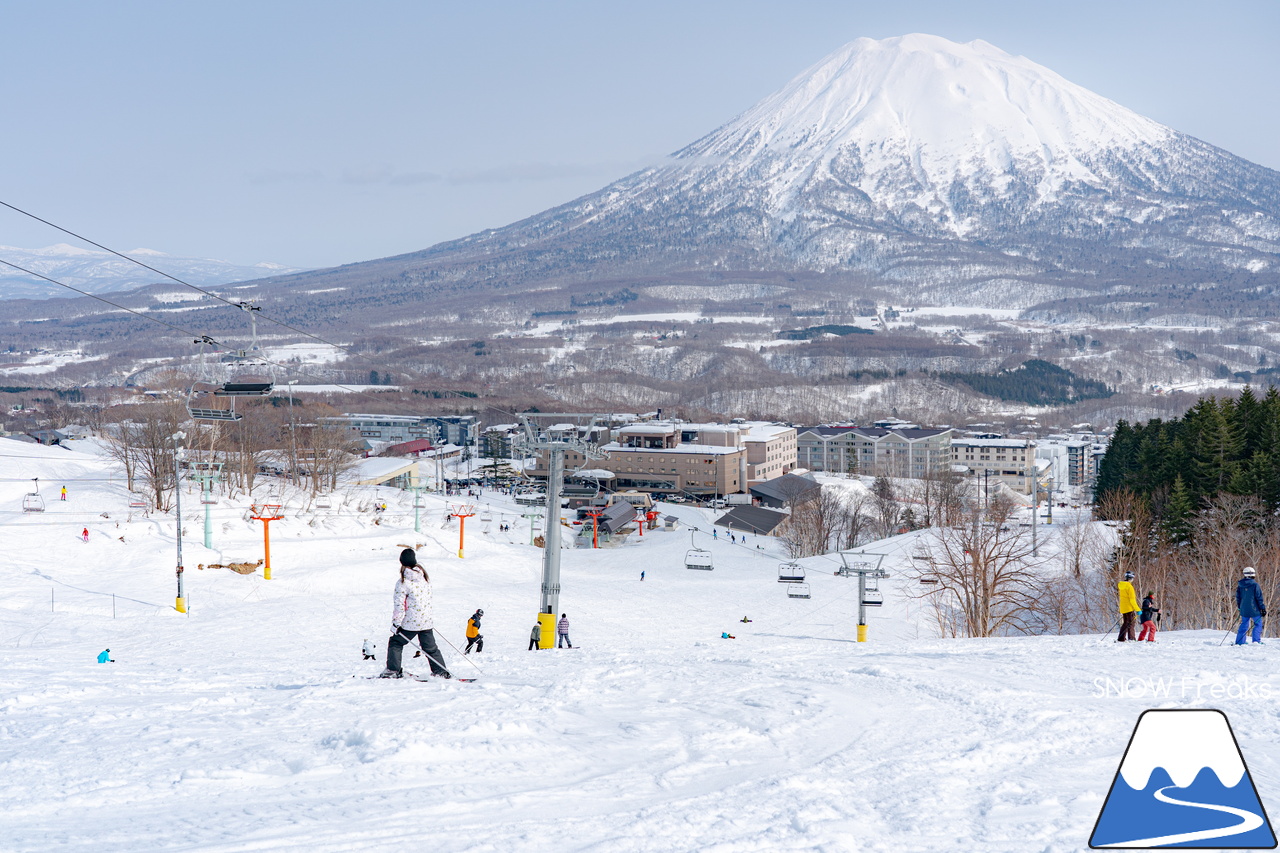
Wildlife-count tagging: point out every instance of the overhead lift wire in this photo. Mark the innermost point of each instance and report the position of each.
(241, 305)
(195, 336)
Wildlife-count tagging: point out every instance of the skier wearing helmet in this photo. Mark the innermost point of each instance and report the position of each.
(1128, 608)
(474, 637)
(1252, 608)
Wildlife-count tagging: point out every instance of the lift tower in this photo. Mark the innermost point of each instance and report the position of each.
(554, 439)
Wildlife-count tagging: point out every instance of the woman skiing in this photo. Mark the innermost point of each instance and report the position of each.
(411, 617)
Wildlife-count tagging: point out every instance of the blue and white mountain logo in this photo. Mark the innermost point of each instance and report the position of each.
(1183, 783)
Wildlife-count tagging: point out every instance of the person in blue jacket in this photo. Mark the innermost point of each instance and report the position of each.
(1252, 607)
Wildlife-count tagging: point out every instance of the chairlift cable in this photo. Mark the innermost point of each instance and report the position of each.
(196, 335)
(242, 305)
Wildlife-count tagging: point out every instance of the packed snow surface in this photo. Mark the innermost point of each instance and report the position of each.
(247, 724)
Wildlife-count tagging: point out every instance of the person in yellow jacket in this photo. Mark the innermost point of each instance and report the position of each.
(1129, 608)
(474, 637)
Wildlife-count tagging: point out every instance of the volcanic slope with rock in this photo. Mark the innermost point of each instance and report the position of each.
(913, 164)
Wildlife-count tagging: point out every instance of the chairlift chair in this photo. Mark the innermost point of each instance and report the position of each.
(203, 404)
(323, 502)
(698, 558)
(790, 573)
(798, 590)
(33, 503)
(872, 598)
(136, 500)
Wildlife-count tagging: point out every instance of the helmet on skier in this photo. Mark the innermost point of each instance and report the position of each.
(1249, 571)
(1128, 576)
(479, 612)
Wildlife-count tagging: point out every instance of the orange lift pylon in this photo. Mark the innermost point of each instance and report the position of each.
(462, 513)
(595, 525)
(268, 514)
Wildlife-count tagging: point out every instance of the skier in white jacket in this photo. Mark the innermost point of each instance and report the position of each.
(411, 617)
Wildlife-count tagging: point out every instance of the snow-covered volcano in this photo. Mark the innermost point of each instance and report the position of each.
(914, 163)
(921, 123)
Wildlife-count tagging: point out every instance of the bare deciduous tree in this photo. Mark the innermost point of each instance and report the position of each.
(984, 579)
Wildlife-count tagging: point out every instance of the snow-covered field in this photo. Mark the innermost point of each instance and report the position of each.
(244, 725)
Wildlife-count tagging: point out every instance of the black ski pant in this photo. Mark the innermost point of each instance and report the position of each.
(477, 641)
(426, 639)
(533, 644)
(1126, 627)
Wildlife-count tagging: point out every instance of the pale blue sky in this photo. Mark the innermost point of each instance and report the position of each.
(320, 133)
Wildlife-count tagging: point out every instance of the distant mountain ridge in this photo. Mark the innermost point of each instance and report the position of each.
(952, 171)
(96, 271)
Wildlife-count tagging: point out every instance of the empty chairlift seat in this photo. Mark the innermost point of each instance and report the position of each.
(33, 503)
(798, 590)
(790, 573)
(872, 598)
(698, 558)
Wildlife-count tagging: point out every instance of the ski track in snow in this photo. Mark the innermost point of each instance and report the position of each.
(240, 726)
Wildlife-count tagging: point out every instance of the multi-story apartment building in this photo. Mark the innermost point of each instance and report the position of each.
(697, 459)
(874, 451)
(1009, 460)
(442, 429)
(1072, 458)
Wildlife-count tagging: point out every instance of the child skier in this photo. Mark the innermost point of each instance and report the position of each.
(474, 637)
(369, 651)
(1150, 616)
(535, 636)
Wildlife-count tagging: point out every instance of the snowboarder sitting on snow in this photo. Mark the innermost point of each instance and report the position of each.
(1150, 616)
(368, 651)
(411, 617)
(562, 629)
(474, 637)
(535, 636)
(1252, 608)
(1128, 608)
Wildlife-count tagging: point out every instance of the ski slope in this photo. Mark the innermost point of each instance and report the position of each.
(244, 725)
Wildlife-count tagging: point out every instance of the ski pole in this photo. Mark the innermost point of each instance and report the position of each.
(427, 653)
(464, 657)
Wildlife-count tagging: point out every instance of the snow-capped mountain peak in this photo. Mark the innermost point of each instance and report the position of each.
(932, 111)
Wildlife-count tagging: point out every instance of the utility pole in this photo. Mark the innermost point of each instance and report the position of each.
(177, 495)
(554, 442)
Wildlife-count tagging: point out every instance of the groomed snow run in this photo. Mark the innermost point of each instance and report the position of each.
(247, 724)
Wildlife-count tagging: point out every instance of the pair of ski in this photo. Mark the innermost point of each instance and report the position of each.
(409, 676)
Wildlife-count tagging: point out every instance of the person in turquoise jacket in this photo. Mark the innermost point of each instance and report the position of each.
(105, 656)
